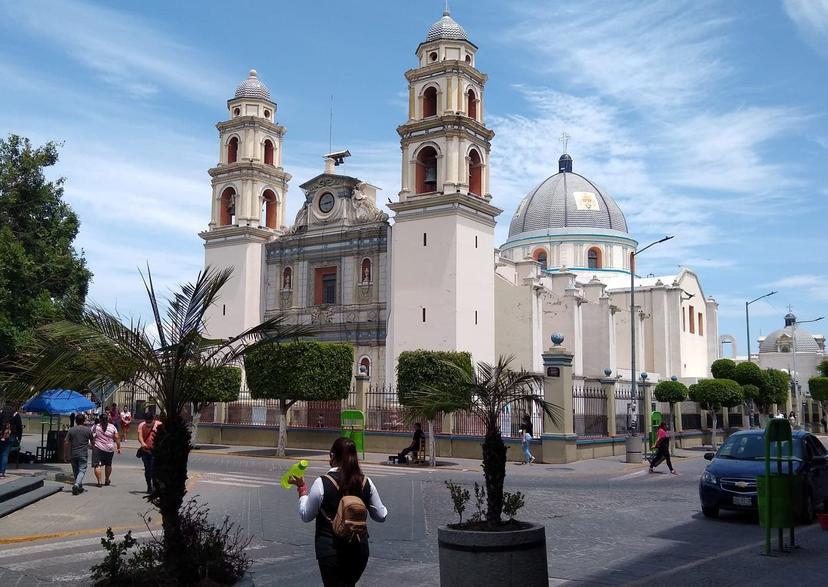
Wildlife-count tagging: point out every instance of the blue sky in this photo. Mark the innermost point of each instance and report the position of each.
(703, 119)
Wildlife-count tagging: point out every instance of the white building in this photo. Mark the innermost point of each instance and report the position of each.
(441, 284)
(778, 350)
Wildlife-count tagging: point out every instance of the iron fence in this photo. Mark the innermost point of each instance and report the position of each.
(589, 409)
(628, 409)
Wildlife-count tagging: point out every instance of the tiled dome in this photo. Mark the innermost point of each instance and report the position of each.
(805, 341)
(446, 28)
(567, 200)
(252, 87)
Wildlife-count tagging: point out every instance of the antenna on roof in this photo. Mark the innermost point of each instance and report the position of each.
(330, 129)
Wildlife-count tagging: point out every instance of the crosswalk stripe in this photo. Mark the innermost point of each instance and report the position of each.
(55, 560)
(230, 483)
(53, 546)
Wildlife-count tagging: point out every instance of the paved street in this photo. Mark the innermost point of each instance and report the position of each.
(607, 523)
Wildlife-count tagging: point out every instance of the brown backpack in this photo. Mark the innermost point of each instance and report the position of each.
(351, 520)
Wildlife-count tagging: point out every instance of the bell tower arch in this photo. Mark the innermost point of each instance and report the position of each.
(248, 204)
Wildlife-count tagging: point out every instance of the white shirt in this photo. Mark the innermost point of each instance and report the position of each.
(309, 504)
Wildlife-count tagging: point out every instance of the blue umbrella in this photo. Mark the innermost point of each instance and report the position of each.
(58, 401)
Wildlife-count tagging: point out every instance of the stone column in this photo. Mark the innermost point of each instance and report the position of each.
(559, 438)
(608, 385)
(361, 387)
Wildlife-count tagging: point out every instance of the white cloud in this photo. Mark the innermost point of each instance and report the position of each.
(124, 51)
(811, 17)
(810, 285)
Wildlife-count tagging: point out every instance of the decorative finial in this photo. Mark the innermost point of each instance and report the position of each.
(253, 73)
(447, 12)
(557, 338)
(564, 141)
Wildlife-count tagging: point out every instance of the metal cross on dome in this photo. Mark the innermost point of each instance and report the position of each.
(564, 140)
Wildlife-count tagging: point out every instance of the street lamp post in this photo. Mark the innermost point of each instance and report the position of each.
(747, 326)
(633, 378)
(795, 377)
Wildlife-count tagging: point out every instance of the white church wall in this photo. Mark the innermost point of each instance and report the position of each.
(475, 310)
(514, 322)
(694, 347)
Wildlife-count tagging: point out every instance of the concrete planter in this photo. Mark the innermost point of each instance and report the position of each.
(497, 559)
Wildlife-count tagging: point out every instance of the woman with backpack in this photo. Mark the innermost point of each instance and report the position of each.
(341, 502)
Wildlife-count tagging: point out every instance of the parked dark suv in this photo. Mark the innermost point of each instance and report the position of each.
(729, 481)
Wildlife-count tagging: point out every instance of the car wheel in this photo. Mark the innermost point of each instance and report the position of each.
(808, 513)
(710, 511)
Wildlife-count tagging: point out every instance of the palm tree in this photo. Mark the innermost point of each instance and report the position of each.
(100, 348)
(485, 392)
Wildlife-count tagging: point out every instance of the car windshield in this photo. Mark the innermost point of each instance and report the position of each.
(749, 447)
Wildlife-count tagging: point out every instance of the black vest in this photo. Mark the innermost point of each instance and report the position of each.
(328, 544)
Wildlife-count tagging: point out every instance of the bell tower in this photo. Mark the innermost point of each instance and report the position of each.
(248, 204)
(443, 236)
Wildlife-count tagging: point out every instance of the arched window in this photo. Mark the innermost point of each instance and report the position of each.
(366, 271)
(268, 152)
(475, 173)
(269, 209)
(233, 150)
(540, 256)
(430, 102)
(365, 363)
(427, 170)
(287, 278)
(227, 207)
(471, 104)
(594, 258)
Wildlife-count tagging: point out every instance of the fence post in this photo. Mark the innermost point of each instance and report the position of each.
(608, 386)
(360, 388)
(220, 415)
(559, 440)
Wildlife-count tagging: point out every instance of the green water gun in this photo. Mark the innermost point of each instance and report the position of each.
(296, 470)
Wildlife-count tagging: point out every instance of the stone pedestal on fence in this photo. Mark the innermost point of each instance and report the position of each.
(608, 387)
(558, 438)
(360, 389)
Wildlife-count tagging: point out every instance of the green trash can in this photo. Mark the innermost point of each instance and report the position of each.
(787, 500)
(655, 421)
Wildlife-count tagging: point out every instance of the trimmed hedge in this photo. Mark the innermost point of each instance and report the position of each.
(304, 370)
(778, 388)
(750, 374)
(420, 370)
(214, 384)
(723, 369)
(712, 394)
(819, 388)
(671, 392)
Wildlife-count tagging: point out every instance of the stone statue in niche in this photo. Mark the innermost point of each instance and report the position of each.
(366, 271)
(286, 280)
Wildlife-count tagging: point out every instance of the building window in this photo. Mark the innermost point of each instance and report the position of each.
(684, 319)
(366, 271)
(471, 104)
(692, 315)
(701, 325)
(540, 256)
(475, 241)
(269, 209)
(783, 348)
(268, 152)
(475, 173)
(424, 314)
(475, 316)
(287, 278)
(425, 239)
(365, 366)
(325, 286)
(233, 150)
(594, 260)
(426, 173)
(227, 210)
(430, 102)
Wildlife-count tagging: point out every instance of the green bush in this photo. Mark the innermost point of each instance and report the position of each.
(421, 370)
(777, 390)
(712, 394)
(750, 374)
(304, 370)
(750, 393)
(822, 368)
(214, 384)
(723, 369)
(819, 388)
(671, 392)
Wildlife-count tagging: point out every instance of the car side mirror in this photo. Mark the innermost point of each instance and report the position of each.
(708, 456)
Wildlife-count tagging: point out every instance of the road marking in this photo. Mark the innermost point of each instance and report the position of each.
(230, 483)
(52, 546)
(55, 560)
(67, 534)
(630, 475)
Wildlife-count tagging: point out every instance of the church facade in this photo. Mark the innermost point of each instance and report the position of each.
(432, 276)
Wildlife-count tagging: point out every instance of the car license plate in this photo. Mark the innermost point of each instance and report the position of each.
(738, 500)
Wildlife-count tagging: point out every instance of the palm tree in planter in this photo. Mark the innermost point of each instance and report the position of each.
(101, 348)
(486, 391)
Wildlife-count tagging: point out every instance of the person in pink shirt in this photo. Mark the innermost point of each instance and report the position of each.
(105, 440)
(146, 437)
(662, 447)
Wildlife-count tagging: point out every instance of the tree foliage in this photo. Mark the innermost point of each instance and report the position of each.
(751, 393)
(671, 392)
(819, 388)
(723, 369)
(421, 370)
(219, 384)
(777, 389)
(304, 370)
(748, 373)
(713, 394)
(42, 277)
(822, 368)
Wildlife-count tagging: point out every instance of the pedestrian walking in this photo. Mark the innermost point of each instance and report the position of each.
(115, 417)
(146, 437)
(824, 423)
(526, 431)
(792, 419)
(662, 448)
(126, 421)
(340, 502)
(105, 441)
(6, 441)
(75, 448)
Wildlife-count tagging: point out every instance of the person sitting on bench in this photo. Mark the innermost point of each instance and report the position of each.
(414, 447)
